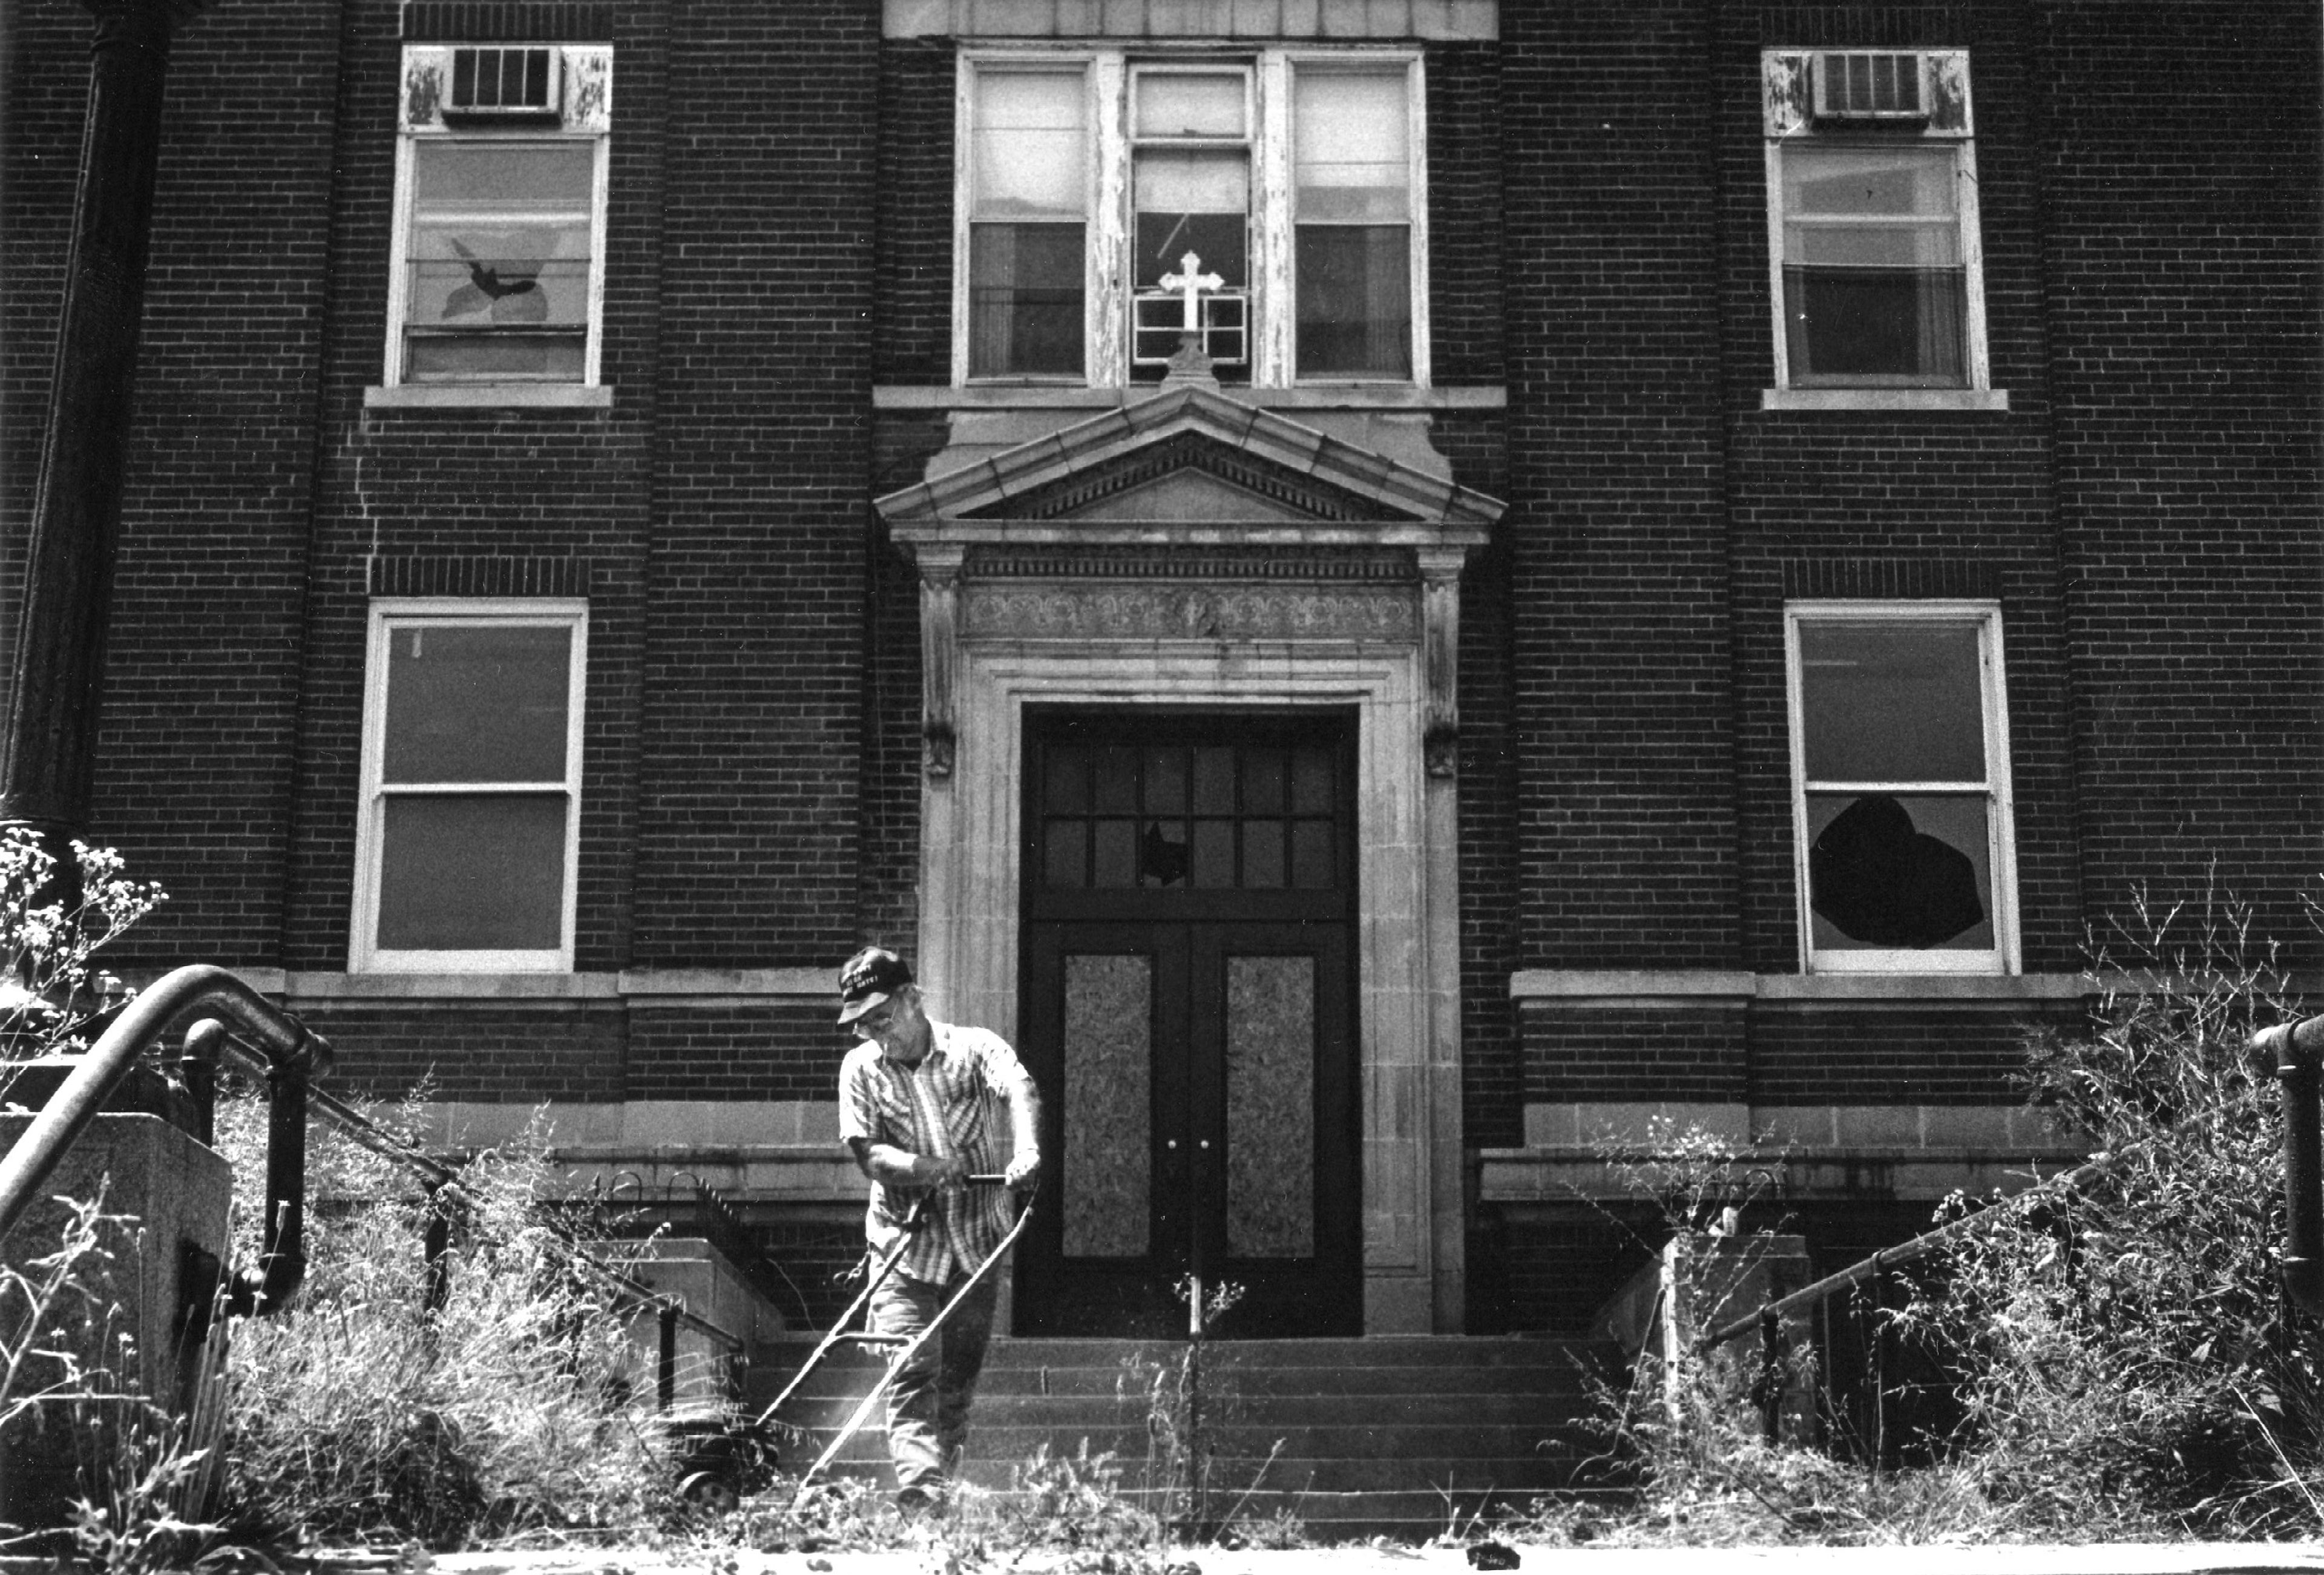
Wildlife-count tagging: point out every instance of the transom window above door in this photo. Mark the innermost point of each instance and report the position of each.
(1219, 816)
(1272, 205)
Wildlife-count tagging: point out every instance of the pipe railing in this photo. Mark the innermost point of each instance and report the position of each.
(279, 1047)
(273, 1045)
(449, 1195)
(2291, 1053)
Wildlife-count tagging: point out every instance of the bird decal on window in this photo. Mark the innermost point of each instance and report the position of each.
(515, 298)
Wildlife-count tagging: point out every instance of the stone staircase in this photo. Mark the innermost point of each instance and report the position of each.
(1394, 1436)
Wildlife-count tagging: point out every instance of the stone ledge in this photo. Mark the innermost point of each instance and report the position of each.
(1583, 1177)
(1253, 20)
(475, 396)
(1616, 985)
(1886, 399)
(1077, 397)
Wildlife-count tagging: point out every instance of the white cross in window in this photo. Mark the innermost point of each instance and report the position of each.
(1189, 283)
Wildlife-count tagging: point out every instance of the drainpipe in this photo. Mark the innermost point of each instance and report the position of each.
(2293, 1052)
(48, 743)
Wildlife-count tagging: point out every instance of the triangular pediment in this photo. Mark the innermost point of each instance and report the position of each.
(1191, 477)
(1191, 456)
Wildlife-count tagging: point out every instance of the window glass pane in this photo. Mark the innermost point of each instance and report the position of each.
(1874, 290)
(1908, 180)
(1117, 779)
(1262, 856)
(1312, 866)
(1271, 1106)
(466, 872)
(1214, 850)
(1067, 770)
(1892, 702)
(1354, 302)
(1910, 871)
(1263, 772)
(555, 356)
(1025, 299)
(1196, 202)
(1166, 781)
(1108, 1127)
(1064, 852)
(1029, 145)
(1117, 854)
(1311, 781)
(1178, 104)
(1214, 791)
(479, 278)
(454, 176)
(473, 702)
(1348, 147)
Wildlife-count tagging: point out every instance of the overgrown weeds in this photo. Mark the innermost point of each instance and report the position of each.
(365, 1413)
(2124, 1363)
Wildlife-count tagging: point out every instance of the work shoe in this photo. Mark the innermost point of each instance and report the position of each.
(917, 1503)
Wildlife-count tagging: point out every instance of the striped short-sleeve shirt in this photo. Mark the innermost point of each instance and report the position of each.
(951, 1104)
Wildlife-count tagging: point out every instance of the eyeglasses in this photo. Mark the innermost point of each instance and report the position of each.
(874, 1023)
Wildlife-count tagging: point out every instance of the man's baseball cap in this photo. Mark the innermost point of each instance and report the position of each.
(869, 978)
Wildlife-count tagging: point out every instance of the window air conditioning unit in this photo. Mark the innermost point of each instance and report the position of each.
(1864, 88)
(516, 82)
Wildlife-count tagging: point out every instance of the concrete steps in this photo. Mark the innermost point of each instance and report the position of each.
(1398, 1436)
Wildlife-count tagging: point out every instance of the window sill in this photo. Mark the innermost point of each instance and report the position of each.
(1355, 396)
(471, 396)
(1884, 399)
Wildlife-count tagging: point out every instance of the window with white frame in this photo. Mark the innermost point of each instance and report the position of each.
(471, 785)
(500, 214)
(1900, 761)
(1872, 225)
(1271, 204)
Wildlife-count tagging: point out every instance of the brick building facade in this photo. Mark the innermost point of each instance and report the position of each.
(1651, 463)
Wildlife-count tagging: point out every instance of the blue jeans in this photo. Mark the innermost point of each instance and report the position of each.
(927, 1404)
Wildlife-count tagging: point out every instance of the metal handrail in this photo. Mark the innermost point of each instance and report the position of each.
(2291, 1053)
(442, 1181)
(285, 1052)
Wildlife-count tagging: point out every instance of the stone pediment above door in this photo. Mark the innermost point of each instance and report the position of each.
(1193, 524)
(1191, 460)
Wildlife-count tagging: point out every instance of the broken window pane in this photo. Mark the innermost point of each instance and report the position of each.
(1909, 870)
(498, 259)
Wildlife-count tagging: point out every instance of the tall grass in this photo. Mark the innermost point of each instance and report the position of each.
(361, 1414)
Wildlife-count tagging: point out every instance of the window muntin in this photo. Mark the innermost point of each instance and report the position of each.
(498, 235)
(1196, 156)
(1878, 271)
(1029, 201)
(471, 786)
(1901, 789)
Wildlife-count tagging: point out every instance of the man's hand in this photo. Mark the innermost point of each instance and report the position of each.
(930, 1170)
(1024, 1171)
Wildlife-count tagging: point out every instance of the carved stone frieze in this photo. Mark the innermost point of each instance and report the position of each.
(1149, 611)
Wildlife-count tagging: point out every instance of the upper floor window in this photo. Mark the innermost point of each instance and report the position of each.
(1872, 221)
(469, 824)
(1270, 203)
(500, 214)
(1900, 757)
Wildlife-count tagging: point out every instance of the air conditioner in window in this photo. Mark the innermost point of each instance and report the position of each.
(1858, 88)
(507, 82)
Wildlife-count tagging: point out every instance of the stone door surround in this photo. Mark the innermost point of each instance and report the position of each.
(1193, 551)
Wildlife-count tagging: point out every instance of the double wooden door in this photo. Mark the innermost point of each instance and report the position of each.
(1187, 1008)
